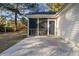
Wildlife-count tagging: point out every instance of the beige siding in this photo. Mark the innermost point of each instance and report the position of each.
(68, 24)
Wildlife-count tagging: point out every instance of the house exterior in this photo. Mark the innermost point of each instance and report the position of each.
(65, 23)
(68, 23)
(41, 24)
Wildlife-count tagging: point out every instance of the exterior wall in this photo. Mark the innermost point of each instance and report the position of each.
(68, 24)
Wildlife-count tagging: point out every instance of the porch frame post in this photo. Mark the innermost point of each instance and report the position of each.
(48, 27)
(28, 29)
(37, 26)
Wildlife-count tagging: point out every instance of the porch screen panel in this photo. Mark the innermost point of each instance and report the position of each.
(32, 26)
(51, 27)
(42, 26)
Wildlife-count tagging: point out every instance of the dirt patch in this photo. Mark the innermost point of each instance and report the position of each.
(9, 39)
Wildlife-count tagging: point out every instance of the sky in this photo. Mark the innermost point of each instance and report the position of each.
(42, 7)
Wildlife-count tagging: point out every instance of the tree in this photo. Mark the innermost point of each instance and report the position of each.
(17, 8)
(2, 21)
(55, 6)
(12, 8)
(16, 12)
(23, 20)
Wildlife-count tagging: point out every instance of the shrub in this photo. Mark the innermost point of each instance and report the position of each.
(2, 29)
(9, 29)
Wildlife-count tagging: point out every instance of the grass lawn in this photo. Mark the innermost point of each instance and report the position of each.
(9, 39)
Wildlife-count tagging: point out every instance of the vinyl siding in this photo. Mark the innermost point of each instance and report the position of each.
(68, 24)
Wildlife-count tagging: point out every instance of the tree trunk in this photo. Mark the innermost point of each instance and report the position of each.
(16, 18)
(16, 21)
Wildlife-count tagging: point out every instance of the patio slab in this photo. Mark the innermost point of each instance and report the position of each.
(39, 46)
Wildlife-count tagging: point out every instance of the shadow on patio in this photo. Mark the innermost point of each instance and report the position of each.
(39, 46)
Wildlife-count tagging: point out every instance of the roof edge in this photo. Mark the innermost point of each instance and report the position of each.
(62, 11)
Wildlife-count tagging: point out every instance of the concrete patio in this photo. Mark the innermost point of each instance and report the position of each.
(39, 46)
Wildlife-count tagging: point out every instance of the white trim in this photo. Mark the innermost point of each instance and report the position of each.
(48, 27)
(41, 16)
(37, 26)
(55, 27)
(28, 29)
